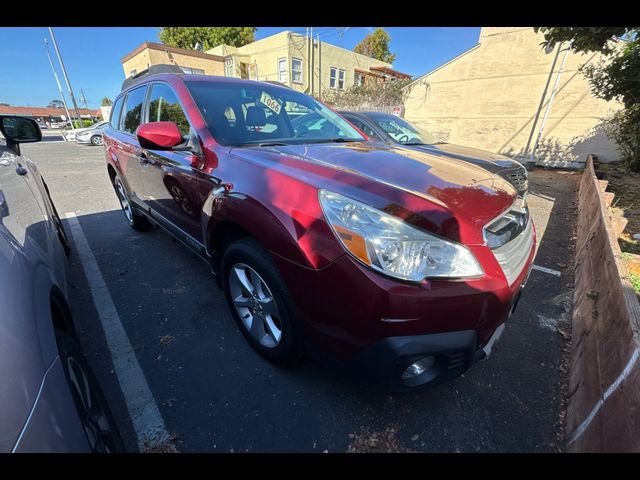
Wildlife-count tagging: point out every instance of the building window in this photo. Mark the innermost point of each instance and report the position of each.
(192, 71)
(340, 79)
(296, 70)
(358, 79)
(229, 67)
(282, 70)
(333, 77)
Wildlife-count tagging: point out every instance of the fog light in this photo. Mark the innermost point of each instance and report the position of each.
(418, 368)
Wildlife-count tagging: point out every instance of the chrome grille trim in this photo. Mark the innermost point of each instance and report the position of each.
(513, 255)
(518, 177)
(508, 225)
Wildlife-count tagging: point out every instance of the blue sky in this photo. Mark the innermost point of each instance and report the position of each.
(92, 55)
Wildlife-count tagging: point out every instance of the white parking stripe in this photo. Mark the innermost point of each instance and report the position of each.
(143, 410)
(547, 270)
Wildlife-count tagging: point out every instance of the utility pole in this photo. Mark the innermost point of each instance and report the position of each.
(313, 54)
(544, 94)
(83, 99)
(319, 68)
(551, 98)
(66, 77)
(55, 75)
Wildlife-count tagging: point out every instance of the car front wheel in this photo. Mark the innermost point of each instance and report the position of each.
(260, 301)
(96, 140)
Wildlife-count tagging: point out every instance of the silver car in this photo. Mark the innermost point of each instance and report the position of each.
(91, 136)
(49, 399)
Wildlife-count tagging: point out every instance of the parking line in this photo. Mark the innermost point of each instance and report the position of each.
(143, 410)
(546, 270)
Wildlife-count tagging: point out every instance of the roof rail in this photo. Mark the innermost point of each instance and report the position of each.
(152, 70)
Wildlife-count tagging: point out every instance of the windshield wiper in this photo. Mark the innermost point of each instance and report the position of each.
(415, 143)
(270, 144)
(335, 140)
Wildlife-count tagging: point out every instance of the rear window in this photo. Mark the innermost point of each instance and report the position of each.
(133, 109)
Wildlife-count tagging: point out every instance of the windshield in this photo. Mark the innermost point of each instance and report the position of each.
(403, 132)
(239, 114)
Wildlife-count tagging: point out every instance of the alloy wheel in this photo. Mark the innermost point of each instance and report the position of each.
(92, 416)
(255, 305)
(124, 201)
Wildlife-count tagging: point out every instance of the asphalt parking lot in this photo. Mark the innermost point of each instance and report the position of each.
(215, 394)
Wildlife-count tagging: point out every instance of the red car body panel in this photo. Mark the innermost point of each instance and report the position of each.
(272, 193)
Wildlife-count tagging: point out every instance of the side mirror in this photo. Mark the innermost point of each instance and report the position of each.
(18, 130)
(159, 135)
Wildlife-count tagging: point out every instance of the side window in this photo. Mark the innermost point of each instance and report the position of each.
(115, 113)
(133, 109)
(164, 107)
(363, 127)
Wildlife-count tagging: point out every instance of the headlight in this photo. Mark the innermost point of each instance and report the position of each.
(391, 246)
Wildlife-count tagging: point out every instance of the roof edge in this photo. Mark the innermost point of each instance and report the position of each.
(443, 65)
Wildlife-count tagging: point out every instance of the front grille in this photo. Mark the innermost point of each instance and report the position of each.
(456, 360)
(518, 178)
(513, 255)
(510, 237)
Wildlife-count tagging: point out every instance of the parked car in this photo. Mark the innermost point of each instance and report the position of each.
(394, 130)
(406, 260)
(49, 399)
(71, 135)
(91, 136)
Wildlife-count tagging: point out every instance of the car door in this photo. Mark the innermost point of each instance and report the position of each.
(174, 188)
(25, 246)
(129, 153)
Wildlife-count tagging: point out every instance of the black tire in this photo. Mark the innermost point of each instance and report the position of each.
(135, 220)
(96, 140)
(97, 421)
(249, 252)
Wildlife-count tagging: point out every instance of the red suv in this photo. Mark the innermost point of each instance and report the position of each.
(405, 260)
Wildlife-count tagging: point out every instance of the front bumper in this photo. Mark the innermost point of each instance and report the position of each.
(351, 311)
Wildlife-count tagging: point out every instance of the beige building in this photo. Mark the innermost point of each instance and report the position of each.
(190, 61)
(309, 66)
(488, 97)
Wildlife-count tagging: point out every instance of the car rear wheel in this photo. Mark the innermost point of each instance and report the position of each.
(95, 416)
(96, 140)
(134, 219)
(260, 301)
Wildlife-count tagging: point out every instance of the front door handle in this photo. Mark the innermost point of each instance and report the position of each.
(20, 170)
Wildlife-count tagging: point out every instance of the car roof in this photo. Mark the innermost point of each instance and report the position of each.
(184, 77)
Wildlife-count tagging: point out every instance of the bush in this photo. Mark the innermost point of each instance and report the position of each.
(380, 94)
(85, 123)
(624, 128)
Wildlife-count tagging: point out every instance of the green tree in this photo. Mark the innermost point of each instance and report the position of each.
(3, 104)
(615, 77)
(376, 45)
(106, 101)
(208, 37)
(55, 104)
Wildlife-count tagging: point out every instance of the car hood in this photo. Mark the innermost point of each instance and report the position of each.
(491, 161)
(468, 191)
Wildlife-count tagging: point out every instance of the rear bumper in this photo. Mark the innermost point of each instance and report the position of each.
(53, 424)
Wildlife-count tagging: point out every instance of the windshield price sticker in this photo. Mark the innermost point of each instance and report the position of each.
(271, 102)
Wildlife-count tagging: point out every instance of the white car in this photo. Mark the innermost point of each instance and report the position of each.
(71, 135)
